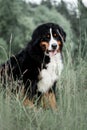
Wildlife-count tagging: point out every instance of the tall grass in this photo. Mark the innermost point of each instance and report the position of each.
(71, 100)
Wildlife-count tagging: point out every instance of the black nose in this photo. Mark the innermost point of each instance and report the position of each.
(54, 46)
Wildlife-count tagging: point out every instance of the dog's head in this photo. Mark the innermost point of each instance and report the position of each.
(50, 38)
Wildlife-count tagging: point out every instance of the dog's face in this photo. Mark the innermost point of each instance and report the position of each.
(50, 38)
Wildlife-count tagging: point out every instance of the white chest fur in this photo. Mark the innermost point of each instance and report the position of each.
(51, 74)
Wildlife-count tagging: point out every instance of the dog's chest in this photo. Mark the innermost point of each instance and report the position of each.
(50, 75)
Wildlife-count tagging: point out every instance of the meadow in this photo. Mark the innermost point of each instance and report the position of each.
(71, 101)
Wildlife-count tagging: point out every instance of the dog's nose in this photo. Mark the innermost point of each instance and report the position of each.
(54, 46)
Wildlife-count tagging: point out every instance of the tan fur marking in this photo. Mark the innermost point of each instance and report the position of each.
(44, 101)
(48, 36)
(44, 45)
(28, 102)
(55, 35)
(49, 100)
(52, 101)
(59, 43)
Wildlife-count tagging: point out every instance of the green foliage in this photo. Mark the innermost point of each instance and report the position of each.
(47, 3)
(62, 8)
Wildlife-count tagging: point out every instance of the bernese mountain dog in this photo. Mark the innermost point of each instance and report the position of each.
(39, 64)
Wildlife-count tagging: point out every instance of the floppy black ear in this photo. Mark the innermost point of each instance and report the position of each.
(34, 38)
(35, 34)
(62, 33)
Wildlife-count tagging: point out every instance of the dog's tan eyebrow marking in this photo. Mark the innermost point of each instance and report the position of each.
(48, 35)
(54, 34)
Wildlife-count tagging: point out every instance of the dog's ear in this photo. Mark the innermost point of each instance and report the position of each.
(36, 37)
(62, 33)
(35, 34)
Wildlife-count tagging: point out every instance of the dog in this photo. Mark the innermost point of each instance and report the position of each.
(39, 64)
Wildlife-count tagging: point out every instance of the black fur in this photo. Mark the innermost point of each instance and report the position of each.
(27, 63)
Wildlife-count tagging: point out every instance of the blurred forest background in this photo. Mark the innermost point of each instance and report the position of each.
(18, 19)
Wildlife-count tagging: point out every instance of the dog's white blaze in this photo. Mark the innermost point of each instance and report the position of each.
(52, 41)
(51, 74)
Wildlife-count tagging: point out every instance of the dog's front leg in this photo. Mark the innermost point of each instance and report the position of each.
(49, 100)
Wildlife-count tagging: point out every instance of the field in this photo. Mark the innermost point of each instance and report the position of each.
(71, 100)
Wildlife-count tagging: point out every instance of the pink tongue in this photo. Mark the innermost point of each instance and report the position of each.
(52, 53)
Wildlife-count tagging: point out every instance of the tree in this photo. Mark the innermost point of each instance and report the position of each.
(83, 28)
(14, 20)
(47, 3)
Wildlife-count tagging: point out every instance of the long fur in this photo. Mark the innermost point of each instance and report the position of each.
(27, 64)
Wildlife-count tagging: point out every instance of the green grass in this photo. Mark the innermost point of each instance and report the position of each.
(71, 100)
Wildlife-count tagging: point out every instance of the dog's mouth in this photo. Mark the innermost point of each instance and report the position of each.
(51, 52)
